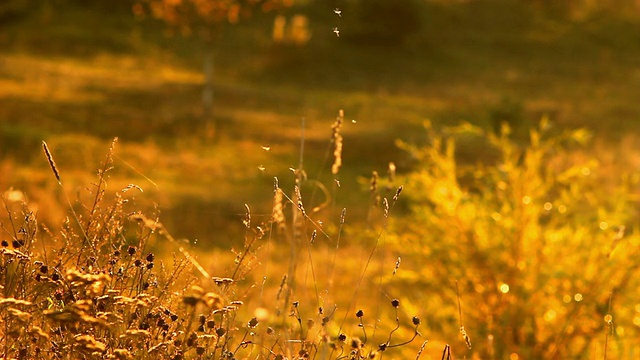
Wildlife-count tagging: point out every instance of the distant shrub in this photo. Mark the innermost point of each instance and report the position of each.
(383, 22)
(11, 10)
(583, 9)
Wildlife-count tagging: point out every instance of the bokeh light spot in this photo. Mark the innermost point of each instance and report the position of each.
(550, 315)
(504, 288)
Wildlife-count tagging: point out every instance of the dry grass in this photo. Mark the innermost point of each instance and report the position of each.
(307, 258)
(106, 286)
(308, 282)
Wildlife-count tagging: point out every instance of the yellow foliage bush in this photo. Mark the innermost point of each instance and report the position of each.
(544, 250)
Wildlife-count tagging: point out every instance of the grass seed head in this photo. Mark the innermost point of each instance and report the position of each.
(392, 172)
(336, 137)
(395, 269)
(373, 186)
(395, 197)
(52, 163)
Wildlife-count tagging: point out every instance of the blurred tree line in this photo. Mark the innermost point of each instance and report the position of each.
(373, 15)
(205, 20)
(360, 22)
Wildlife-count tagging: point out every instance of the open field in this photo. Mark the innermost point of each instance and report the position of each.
(78, 76)
(67, 76)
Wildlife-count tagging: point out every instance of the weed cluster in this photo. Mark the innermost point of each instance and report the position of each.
(101, 287)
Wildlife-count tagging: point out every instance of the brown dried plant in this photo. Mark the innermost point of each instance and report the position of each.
(105, 286)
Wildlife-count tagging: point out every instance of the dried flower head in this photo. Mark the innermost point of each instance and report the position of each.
(252, 323)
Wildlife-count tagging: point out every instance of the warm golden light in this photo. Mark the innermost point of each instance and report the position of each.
(504, 288)
(550, 315)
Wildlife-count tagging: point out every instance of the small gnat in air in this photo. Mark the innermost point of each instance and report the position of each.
(336, 31)
(261, 168)
(337, 12)
(266, 147)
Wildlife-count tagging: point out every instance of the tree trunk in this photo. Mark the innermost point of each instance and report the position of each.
(207, 94)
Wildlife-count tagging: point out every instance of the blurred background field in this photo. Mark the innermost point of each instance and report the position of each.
(77, 74)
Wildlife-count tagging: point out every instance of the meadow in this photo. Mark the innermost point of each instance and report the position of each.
(470, 193)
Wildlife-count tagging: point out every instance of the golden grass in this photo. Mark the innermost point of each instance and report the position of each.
(71, 80)
(239, 168)
(114, 282)
(111, 291)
